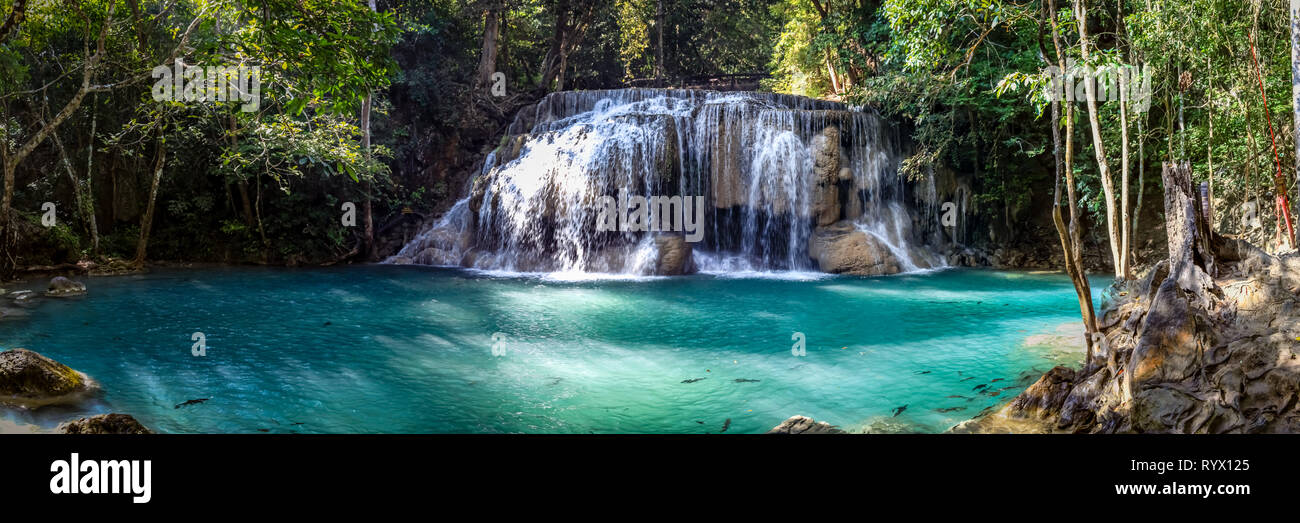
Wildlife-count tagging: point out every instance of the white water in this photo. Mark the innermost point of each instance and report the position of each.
(750, 156)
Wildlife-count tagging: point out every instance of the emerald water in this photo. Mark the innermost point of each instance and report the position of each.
(410, 349)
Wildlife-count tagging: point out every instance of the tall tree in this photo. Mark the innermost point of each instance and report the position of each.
(1071, 237)
(487, 64)
(1098, 144)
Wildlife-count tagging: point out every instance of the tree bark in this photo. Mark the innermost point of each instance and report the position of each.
(1071, 238)
(659, 53)
(1295, 76)
(146, 221)
(1125, 226)
(487, 63)
(85, 206)
(368, 206)
(557, 42)
(1098, 145)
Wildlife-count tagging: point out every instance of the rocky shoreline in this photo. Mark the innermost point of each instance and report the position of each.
(1205, 342)
(30, 381)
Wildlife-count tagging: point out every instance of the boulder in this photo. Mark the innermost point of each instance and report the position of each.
(61, 286)
(674, 255)
(842, 248)
(30, 379)
(104, 424)
(1047, 395)
(805, 425)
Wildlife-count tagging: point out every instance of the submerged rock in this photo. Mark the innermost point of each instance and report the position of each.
(22, 296)
(30, 379)
(805, 425)
(61, 286)
(842, 248)
(104, 424)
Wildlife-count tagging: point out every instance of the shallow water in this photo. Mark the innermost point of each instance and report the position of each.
(410, 349)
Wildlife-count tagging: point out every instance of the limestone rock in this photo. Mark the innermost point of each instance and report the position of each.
(843, 249)
(104, 424)
(61, 286)
(826, 175)
(30, 379)
(805, 425)
(674, 255)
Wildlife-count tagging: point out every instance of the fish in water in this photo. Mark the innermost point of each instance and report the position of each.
(264, 430)
(746, 380)
(923, 372)
(328, 323)
(995, 380)
(950, 409)
(693, 380)
(192, 402)
(980, 386)
(555, 382)
(725, 425)
(700, 422)
(296, 423)
(899, 410)
(967, 378)
(958, 397)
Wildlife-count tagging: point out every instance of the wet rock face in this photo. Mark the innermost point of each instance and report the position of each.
(61, 286)
(826, 177)
(674, 256)
(843, 249)
(805, 425)
(104, 424)
(27, 377)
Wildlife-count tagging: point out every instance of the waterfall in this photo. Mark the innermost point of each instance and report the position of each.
(766, 171)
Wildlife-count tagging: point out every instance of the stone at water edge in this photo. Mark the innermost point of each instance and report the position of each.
(61, 286)
(21, 296)
(30, 379)
(674, 256)
(841, 248)
(104, 424)
(805, 425)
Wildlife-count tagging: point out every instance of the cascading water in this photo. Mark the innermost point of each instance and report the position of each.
(766, 171)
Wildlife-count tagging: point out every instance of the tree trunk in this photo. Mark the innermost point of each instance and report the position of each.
(146, 221)
(1295, 76)
(84, 207)
(659, 53)
(368, 206)
(1098, 145)
(1125, 226)
(550, 63)
(1142, 160)
(487, 63)
(90, 179)
(1071, 238)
